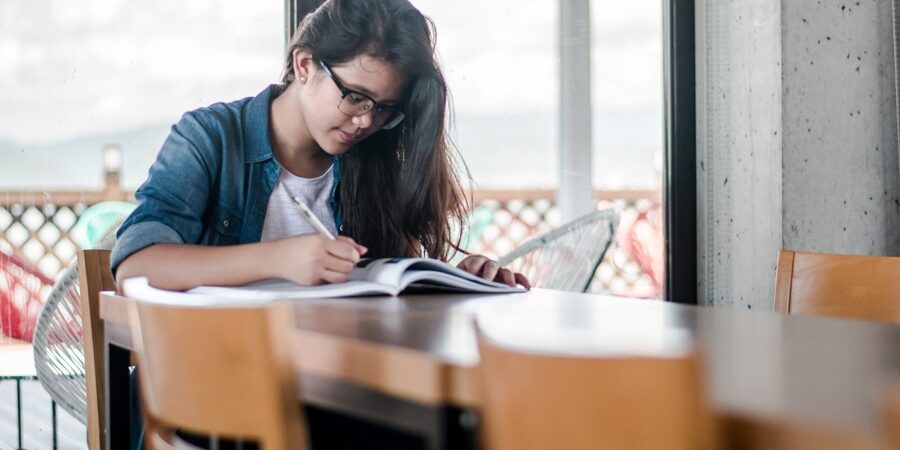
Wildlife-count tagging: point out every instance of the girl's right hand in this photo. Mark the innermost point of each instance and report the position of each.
(314, 259)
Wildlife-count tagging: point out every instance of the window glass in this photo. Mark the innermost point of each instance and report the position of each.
(80, 75)
(501, 64)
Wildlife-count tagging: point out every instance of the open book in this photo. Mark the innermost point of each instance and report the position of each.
(385, 276)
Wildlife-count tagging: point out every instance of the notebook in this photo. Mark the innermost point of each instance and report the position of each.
(383, 276)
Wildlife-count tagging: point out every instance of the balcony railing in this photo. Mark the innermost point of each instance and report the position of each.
(38, 226)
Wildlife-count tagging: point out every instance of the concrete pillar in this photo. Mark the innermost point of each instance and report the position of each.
(739, 95)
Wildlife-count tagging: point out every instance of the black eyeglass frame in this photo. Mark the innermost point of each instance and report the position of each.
(395, 115)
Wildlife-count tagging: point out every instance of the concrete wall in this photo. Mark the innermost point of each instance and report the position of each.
(840, 178)
(796, 111)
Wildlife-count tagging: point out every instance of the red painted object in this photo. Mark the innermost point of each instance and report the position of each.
(640, 237)
(22, 287)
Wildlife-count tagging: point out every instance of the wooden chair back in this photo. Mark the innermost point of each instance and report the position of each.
(222, 372)
(94, 276)
(858, 287)
(541, 401)
(893, 417)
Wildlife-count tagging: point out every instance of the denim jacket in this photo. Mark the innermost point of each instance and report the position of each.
(211, 181)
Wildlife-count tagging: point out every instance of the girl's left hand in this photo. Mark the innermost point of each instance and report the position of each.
(490, 270)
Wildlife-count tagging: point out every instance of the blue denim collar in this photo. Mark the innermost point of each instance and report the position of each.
(258, 143)
(258, 148)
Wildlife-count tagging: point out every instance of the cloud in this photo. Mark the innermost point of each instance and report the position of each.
(94, 66)
(107, 65)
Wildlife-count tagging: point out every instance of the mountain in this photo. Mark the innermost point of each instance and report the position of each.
(501, 151)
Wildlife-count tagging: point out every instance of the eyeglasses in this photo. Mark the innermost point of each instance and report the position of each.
(356, 104)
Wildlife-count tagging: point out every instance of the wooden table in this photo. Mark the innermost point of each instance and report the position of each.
(407, 362)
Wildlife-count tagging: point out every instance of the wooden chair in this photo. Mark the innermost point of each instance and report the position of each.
(219, 372)
(859, 287)
(541, 401)
(94, 276)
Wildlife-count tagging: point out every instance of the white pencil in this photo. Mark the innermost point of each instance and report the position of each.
(311, 218)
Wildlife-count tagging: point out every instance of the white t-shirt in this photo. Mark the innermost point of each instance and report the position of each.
(283, 219)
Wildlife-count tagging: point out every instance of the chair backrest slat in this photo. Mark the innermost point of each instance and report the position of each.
(850, 286)
(94, 276)
(893, 416)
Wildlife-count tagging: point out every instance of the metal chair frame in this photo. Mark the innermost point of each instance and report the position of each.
(609, 215)
(59, 348)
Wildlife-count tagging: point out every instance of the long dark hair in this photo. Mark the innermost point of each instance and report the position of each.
(399, 187)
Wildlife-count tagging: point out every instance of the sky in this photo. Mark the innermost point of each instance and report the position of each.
(72, 70)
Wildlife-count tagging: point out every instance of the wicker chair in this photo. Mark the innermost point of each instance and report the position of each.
(58, 345)
(566, 257)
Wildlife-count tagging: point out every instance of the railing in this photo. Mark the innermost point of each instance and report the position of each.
(38, 227)
(633, 264)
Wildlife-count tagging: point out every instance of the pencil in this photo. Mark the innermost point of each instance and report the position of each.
(311, 218)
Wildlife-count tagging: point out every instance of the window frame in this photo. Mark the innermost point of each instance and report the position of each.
(680, 153)
(294, 12)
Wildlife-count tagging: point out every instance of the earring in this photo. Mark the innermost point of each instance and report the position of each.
(303, 79)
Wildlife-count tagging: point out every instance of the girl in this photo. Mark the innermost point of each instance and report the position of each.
(355, 130)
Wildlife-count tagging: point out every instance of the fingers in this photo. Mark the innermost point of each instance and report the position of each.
(341, 256)
(506, 277)
(362, 250)
(337, 264)
(342, 249)
(521, 279)
(473, 264)
(331, 276)
(489, 270)
(315, 259)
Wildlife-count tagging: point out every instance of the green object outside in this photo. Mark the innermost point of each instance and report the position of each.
(480, 218)
(99, 219)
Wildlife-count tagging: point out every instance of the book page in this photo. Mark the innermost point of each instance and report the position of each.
(402, 272)
(139, 288)
(384, 276)
(433, 265)
(387, 271)
(283, 289)
(432, 280)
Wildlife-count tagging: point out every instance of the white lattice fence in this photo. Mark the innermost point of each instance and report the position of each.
(40, 234)
(39, 230)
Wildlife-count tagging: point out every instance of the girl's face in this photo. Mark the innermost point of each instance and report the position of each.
(331, 116)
